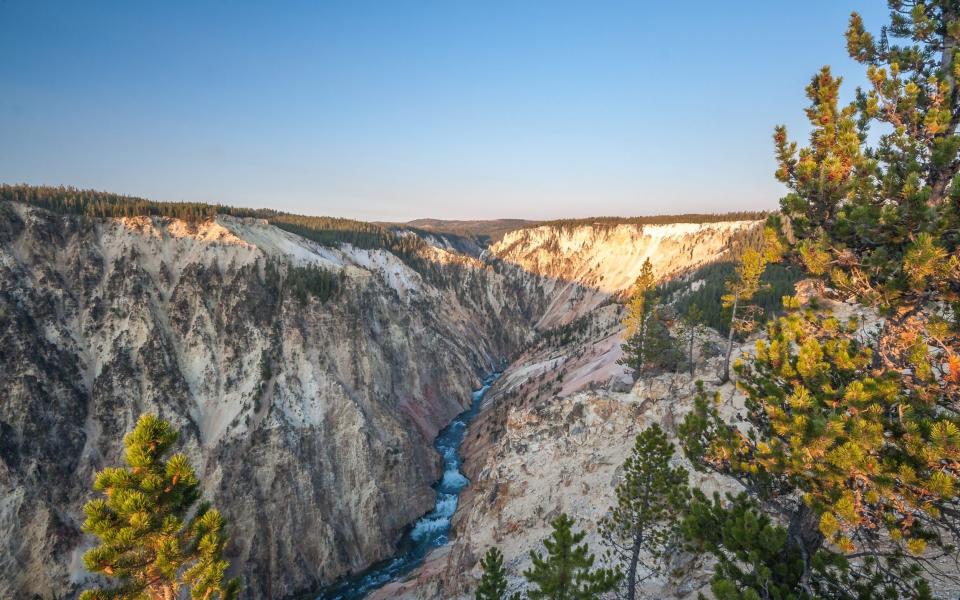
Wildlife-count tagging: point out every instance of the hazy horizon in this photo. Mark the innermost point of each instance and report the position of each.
(395, 113)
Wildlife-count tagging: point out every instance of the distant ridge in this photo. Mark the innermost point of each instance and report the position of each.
(327, 230)
(493, 230)
(483, 230)
(656, 219)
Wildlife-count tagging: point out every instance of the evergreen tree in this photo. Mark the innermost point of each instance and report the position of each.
(759, 558)
(691, 329)
(312, 281)
(778, 280)
(867, 458)
(567, 572)
(652, 347)
(853, 436)
(644, 525)
(755, 558)
(750, 549)
(493, 582)
(648, 340)
(881, 222)
(639, 308)
(151, 540)
(741, 289)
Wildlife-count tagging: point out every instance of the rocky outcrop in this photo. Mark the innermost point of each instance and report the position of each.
(310, 423)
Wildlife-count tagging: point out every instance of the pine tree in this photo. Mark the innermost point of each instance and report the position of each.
(881, 222)
(651, 347)
(567, 572)
(750, 549)
(493, 582)
(852, 436)
(648, 340)
(741, 288)
(760, 558)
(639, 307)
(151, 540)
(644, 525)
(691, 329)
(866, 456)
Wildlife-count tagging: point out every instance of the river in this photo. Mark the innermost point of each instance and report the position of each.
(431, 530)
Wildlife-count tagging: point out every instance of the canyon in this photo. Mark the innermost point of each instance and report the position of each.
(311, 421)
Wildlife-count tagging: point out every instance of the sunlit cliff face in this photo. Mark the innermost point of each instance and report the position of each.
(609, 257)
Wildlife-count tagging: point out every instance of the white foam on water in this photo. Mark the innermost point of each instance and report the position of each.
(446, 504)
(431, 531)
(426, 526)
(453, 479)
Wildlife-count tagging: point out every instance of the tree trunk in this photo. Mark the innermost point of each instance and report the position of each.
(632, 570)
(946, 57)
(804, 534)
(726, 363)
(642, 355)
(161, 592)
(944, 175)
(693, 337)
(158, 589)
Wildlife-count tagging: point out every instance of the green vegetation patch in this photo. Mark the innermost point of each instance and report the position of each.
(777, 281)
(609, 222)
(312, 281)
(326, 231)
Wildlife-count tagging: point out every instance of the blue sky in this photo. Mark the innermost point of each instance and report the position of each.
(397, 110)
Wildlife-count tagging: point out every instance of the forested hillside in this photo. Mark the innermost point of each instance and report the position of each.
(326, 231)
(484, 231)
(704, 288)
(669, 219)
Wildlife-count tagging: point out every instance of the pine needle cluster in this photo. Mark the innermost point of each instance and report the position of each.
(153, 539)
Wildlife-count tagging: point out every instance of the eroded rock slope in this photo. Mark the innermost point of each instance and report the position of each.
(310, 423)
